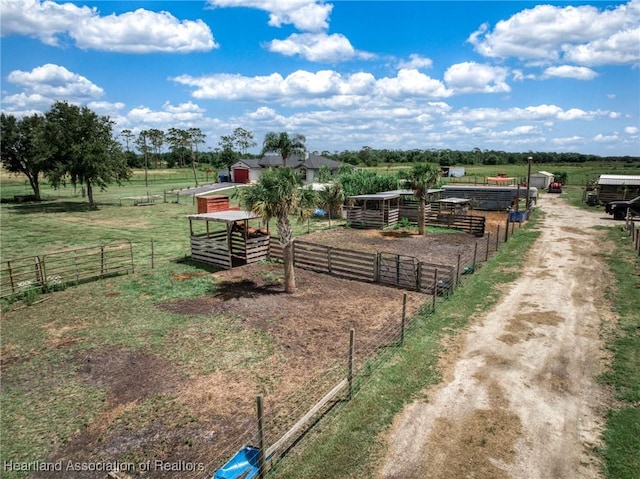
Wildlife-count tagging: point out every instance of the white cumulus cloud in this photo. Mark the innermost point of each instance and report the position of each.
(569, 71)
(471, 77)
(141, 31)
(55, 82)
(305, 15)
(317, 47)
(585, 35)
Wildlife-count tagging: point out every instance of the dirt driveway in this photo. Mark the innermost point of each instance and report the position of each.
(519, 397)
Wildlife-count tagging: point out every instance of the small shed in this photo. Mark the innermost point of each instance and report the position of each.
(245, 171)
(452, 171)
(236, 244)
(454, 206)
(212, 203)
(379, 210)
(541, 179)
(618, 187)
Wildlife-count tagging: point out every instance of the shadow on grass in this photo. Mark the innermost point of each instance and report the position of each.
(56, 207)
(246, 288)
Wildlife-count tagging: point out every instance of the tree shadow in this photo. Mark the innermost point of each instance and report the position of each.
(56, 207)
(246, 288)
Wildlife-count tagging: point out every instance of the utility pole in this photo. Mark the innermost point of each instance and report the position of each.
(528, 202)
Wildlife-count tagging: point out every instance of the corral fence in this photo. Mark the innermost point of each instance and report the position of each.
(468, 223)
(281, 425)
(632, 228)
(56, 270)
(403, 271)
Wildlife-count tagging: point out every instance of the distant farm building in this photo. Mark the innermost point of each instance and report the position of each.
(541, 179)
(452, 171)
(618, 187)
(492, 198)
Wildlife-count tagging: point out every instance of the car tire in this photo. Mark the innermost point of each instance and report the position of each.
(618, 215)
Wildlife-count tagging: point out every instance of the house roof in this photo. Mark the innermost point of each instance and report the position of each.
(629, 180)
(312, 161)
(247, 162)
(543, 173)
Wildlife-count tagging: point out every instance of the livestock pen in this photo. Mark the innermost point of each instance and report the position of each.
(236, 244)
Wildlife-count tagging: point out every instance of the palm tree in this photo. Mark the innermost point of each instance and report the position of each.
(284, 144)
(420, 178)
(331, 198)
(277, 194)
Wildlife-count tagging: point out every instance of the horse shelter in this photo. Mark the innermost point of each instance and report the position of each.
(235, 244)
(375, 211)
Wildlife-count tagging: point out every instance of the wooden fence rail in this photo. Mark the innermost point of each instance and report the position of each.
(402, 271)
(471, 224)
(62, 268)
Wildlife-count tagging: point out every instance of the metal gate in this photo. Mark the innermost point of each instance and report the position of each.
(398, 270)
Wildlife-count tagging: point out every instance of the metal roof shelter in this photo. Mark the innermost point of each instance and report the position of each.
(619, 180)
(237, 244)
(618, 187)
(492, 198)
(409, 205)
(378, 210)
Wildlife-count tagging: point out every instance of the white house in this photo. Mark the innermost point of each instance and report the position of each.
(249, 170)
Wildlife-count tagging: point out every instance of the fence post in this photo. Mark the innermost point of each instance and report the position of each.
(419, 276)
(498, 239)
(486, 255)
(262, 460)
(102, 260)
(506, 230)
(39, 277)
(329, 259)
(458, 269)
(513, 226)
(352, 337)
(13, 289)
(475, 255)
(435, 289)
(404, 315)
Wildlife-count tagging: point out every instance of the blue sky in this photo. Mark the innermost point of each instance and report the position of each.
(503, 75)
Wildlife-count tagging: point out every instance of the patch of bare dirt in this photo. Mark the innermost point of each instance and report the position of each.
(520, 398)
(435, 248)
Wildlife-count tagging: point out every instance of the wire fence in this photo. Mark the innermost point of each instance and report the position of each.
(632, 228)
(277, 426)
(289, 420)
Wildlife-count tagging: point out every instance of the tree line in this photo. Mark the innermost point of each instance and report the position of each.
(73, 144)
(368, 156)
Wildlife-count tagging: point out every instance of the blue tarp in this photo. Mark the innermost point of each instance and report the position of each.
(243, 465)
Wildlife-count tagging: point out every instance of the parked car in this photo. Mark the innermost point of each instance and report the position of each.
(619, 209)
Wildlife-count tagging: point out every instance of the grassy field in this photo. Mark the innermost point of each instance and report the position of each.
(577, 174)
(622, 450)
(43, 403)
(64, 220)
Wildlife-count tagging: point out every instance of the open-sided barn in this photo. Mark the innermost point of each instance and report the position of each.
(618, 187)
(492, 198)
